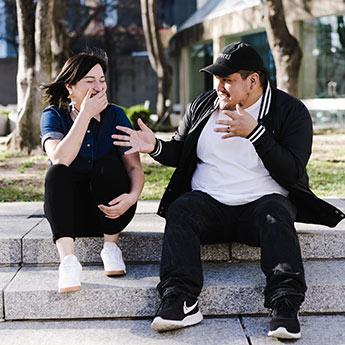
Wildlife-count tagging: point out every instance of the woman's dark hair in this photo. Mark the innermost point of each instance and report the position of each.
(74, 69)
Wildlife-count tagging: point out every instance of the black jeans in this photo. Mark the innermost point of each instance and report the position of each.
(71, 199)
(196, 218)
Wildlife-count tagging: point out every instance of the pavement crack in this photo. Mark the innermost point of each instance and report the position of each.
(240, 318)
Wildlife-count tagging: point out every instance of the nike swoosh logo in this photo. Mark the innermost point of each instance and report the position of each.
(186, 309)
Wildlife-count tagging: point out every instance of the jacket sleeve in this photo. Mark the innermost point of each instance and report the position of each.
(169, 152)
(286, 160)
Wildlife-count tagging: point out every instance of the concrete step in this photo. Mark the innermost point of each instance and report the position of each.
(29, 241)
(140, 242)
(26, 240)
(228, 290)
(316, 330)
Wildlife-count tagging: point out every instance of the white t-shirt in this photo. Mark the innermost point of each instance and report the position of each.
(229, 169)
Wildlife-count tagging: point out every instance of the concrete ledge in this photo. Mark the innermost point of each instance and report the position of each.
(12, 230)
(120, 332)
(140, 242)
(28, 241)
(316, 330)
(317, 242)
(6, 274)
(228, 290)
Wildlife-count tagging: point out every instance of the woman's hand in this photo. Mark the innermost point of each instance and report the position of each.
(142, 140)
(118, 206)
(91, 106)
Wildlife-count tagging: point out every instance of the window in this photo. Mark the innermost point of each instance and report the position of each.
(201, 56)
(323, 57)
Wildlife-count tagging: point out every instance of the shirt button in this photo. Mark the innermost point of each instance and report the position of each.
(88, 145)
(89, 161)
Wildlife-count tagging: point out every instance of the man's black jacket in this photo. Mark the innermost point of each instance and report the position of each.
(282, 139)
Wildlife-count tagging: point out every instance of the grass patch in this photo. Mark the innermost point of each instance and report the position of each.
(21, 190)
(5, 155)
(24, 166)
(22, 176)
(327, 178)
(156, 179)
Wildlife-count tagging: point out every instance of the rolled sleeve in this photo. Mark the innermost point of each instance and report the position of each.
(51, 126)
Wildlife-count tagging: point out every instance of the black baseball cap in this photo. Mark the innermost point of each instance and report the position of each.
(235, 57)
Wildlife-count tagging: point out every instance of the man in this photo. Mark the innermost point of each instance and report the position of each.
(240, 156)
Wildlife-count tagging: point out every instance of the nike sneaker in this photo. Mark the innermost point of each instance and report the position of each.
(176, 312)
(284, 323)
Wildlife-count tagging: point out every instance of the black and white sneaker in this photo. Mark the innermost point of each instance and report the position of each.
(176, 312)
(284, 323)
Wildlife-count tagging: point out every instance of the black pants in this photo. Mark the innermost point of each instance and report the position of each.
(196, 218)
(71, 199)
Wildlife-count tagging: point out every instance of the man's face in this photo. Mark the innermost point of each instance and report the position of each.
(233, 90)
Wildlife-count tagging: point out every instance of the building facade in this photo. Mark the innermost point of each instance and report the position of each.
(317, 24)
(119, 31)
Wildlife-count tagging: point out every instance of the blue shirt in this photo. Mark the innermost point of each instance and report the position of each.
(56, 123)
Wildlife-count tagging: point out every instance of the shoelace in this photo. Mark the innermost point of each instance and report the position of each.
(284, 307)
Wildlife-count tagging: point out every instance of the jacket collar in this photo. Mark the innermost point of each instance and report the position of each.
(266, 102)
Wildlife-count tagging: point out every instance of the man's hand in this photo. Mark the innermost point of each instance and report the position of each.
(239, 124)
(118, 206)
(142, 140)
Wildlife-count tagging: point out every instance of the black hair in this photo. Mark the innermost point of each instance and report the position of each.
(262, 76)
(74, 69)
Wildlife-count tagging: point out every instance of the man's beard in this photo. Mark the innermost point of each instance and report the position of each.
(226, 106)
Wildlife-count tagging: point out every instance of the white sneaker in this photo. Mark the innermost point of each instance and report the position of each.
(112, 259)
(69, 274)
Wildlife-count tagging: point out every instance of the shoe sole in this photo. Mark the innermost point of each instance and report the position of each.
(69, 289)
(161, 325)
(115, 273)
(283, 333)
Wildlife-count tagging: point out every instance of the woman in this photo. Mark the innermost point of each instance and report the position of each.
(92, 188)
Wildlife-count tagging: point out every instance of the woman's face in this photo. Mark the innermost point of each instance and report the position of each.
(94, 80)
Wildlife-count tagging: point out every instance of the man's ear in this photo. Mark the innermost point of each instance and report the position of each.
(254, 79)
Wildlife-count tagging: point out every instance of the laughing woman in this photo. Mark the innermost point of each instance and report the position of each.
(91, 188)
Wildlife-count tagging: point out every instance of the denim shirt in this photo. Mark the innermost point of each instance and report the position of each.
(56, 123)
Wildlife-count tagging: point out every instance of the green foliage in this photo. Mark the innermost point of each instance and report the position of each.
(138, 111)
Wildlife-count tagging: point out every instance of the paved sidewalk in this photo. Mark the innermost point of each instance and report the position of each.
(25, 241)
(316, 330)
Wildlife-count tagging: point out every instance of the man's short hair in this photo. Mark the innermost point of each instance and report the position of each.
(262, 76)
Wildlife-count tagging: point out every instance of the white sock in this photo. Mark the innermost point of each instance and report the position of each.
(69, 259)
(109, 245)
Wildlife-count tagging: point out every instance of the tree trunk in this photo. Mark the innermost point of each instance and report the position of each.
(26, 46)
(34, 68)
(43, 60)
(23, 137)
(156, 56)
(285, 48)
(60, 41)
